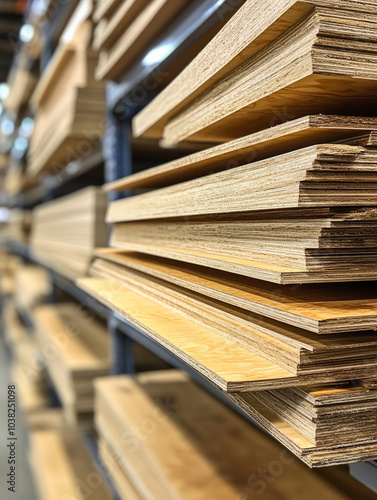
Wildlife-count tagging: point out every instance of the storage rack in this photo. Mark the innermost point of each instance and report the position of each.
(116, 161)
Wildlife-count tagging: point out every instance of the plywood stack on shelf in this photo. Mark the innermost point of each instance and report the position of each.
(249, 38)
(127, 28)
(66, 231)
(315, 451)
(75, 349)
(134, 29)
(165, 417)
(61, 464)
(240, 253)
(70, 103)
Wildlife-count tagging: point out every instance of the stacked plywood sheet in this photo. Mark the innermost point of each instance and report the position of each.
(256, 43)
(322, 426)
(162, 437)
(236, 257)
(126, 29)
(75, 349)
(66, 230)
(70, 103)
(62, 466)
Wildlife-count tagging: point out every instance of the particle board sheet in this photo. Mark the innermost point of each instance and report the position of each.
(62, 467)
(149, 23)
(210, 353)
(320, 308)
(70, 106)
(67, 230)
(256, 24)
(330, 54)
(346, 413)
(292, 348)
(317, 176)
(75, 349)
(312, 455)
(347, 241)
(279, 139)
(222, 452)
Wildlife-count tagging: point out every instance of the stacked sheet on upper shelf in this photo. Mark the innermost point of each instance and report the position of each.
(70, 103)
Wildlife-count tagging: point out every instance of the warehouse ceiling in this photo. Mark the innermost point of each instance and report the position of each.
(11, 17)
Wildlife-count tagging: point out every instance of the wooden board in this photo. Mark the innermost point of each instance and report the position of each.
(75, 349)
(63, 468)
(314, 456)
(313, 242)
(309, 59)
(118, 22)
(321, 309)
(317, 176)
(339, 414)
(208, 352)
(224, 452)
(294, 134)
(256, 24)
(146, 27)
(66, 231)
(70, 104)
(292, 348)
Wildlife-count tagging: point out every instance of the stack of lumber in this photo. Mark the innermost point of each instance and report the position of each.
(240, 254)
(163, 437)
(70, 103)
(66, 230)
(271, 60)
(270, 353)
(75, 349)
(134, 29)
(61, 464)
(32, 287)
(126, 29)
(194, 253)
(325, 425)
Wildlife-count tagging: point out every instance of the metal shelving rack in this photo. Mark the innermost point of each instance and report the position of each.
(118, 162)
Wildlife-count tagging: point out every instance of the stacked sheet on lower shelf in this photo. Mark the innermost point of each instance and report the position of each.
(163, 437)
(75, 348)
(61, 464)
